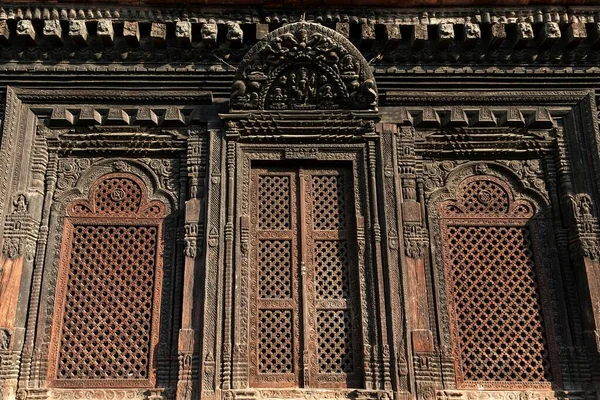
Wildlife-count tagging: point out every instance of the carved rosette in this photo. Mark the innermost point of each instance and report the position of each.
(304, 66)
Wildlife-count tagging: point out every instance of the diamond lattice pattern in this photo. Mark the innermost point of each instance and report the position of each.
(335, 342)
(275, 342)
(108, 309)
(498, 318)
(329, 212)
(274, 205)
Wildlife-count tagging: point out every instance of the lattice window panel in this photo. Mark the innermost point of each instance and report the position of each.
(275, 264)
(484, 197)
(275, 342)
(274, 207)
(335, 342)
(108, 296)
(329, 211)
(499, 336)
(331, 260)
(301, 308)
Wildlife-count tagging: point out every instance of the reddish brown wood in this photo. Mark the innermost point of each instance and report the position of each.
(105, 330)
(500, 337)
(304, 328)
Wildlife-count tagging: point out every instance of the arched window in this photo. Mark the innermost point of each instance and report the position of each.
(490, 253)
(106, 324)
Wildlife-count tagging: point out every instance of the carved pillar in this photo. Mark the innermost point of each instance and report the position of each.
(415, 245)
(23, 234)
(187, 385)
(581, 236)
(384, 357)
(395, 279)
(212, 307)
(229, 249)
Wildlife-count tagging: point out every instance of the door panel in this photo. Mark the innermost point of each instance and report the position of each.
(303, 270)
(275, 328)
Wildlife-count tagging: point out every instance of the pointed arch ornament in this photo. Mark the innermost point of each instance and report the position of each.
(304, 66)
(495, 280)
(105, 331)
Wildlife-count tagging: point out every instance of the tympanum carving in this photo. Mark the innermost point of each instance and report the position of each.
(304, 66)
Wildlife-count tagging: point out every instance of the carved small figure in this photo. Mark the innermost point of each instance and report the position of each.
(585, 206)
(278, 99)
(4, 339)
(20, 203)
(326, 95)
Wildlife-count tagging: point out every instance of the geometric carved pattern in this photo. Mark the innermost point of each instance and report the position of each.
(328, 203)
(108, 312)
(108, 296)
(328, 234)
(275, 315)
(274, 209)
(499, 336)
(498, 312)
(276, 351)
(335, 342)
(331, 259)
(275, 269)
(483, 196)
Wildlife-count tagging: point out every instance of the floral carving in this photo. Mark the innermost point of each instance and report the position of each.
(304, 66)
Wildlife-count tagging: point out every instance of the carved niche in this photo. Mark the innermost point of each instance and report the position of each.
(304, 66)
(106, 326)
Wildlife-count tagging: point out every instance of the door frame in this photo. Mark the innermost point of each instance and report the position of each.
(304, 302)
(355, 156)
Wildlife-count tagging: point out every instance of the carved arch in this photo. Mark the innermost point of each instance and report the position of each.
(304, 66)
(488, 232)
(77, 176)
(109, 287)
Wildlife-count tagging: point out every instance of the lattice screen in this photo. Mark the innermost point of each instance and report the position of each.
(108, 297)
(498, 328)
(302, 307)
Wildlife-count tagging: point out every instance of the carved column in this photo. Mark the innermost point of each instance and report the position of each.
(187, 349)
(384, 357)
(22, 233)
(415, 244)
(582, 238)
(229, 249)
(395, 279)
(212, 307)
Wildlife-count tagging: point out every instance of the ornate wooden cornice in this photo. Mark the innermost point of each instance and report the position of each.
(220, 37)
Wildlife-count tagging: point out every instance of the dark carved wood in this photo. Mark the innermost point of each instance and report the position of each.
(320, 175)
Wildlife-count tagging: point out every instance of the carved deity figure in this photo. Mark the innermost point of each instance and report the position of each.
(303, 86)
(279, 99)
(20, 204)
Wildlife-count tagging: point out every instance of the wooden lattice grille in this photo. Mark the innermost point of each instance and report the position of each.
(303, 318)
(499, 335)
(108, 296)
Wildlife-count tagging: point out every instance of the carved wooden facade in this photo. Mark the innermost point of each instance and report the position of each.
(383, 204)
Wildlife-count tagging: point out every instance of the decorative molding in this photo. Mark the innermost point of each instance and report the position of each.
(536, 35)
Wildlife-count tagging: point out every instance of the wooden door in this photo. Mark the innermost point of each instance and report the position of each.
(304, 325)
